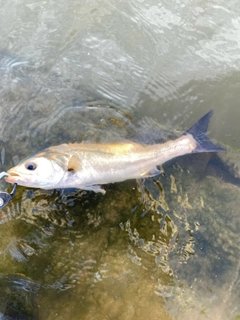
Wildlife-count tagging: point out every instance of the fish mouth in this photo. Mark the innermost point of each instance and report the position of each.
(12, 173)
(12, 178)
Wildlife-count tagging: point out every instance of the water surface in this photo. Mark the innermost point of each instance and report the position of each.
(162, 248)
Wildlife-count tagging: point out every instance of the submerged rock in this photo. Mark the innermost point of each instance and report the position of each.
(18, 299)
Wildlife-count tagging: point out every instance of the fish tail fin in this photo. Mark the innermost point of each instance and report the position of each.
(199, 133)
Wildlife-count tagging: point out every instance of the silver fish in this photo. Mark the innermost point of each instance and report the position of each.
(88, 165)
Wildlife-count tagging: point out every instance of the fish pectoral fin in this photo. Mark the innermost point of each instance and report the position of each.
(74, 164)
(151, 173)
(94, 188)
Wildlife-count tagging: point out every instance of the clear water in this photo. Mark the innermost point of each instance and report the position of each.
(163, 248)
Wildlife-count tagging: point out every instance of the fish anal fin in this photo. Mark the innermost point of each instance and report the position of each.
(95, 188)
(151, 173)
(74, 164)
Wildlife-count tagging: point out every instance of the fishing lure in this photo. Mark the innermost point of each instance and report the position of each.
(5, 197)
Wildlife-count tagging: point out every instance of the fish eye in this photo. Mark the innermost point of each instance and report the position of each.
(31, 166)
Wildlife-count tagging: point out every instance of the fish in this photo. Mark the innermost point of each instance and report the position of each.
(88, 166)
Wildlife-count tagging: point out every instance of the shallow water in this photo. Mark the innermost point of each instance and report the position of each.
(163, 248)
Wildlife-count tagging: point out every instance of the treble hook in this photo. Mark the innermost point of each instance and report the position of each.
(5, 197)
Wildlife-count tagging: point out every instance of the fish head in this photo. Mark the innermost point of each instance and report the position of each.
(36, 172)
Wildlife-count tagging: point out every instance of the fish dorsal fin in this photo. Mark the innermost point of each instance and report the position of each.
(74, 164)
